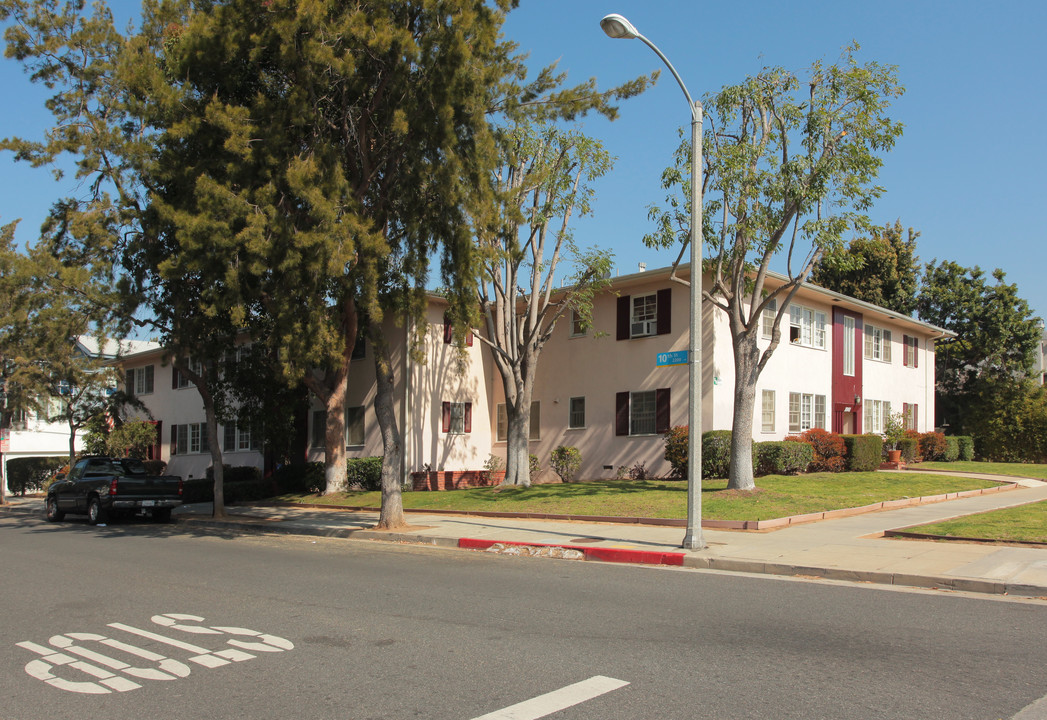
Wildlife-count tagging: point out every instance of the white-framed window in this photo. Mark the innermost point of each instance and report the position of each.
(502, 422)
(354, 426)
(848, 345)
(643, 410)
(911, 348)
(189, 439)
(806, 327)
(578, 326)
(806, 411)
(140, 380)
(644, 318)
(767, 411)
(910, 416)
(237, 438)
(767, 319)
(877, 343)
(876, 412)
(576, 413)
(455, 416)
(182, 381)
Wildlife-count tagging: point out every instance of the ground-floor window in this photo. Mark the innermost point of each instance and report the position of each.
(189, 439)
(806, 411)
(457, 418)
(643, 412)
(876, 412)
(767, 411)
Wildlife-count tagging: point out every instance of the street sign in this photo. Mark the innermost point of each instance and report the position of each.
(675, 357)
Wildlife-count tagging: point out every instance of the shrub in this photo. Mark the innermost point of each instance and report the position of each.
(932, 446)
(240, 483)
(829, 450)
(639, 471)
(566, 460)
(247, 490)
(300, 478)
(235, 473)
(365, 473)
(532, 466)
(966, 447)
(910, 448)
(28, 475)
(676, 449)
(716, 453)
(952, 448)
(864, 452)
(782, 457)
(197, 490)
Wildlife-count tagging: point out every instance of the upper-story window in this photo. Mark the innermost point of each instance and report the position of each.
(644, 315)
(140, 380)
(578, 325)
(181, 380)
(767, 319)
(806, 327)
(877, 343)
(911, 346)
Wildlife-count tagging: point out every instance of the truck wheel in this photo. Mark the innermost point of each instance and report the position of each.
(162, 515)
(95, 513)
(51, 508)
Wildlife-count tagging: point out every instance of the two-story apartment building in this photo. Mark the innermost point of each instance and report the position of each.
(842, 364)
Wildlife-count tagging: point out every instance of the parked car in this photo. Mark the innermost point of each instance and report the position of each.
(103, 486)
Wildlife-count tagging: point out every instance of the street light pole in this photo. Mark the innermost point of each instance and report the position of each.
(618, 27)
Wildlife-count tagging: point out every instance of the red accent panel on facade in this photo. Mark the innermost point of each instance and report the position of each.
(446, 424)
(468, 417)
(621, 413)
(664, 304)
(623, 317)
(156, 449)
(846, 388)
(661, 414)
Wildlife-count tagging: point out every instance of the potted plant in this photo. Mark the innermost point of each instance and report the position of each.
(893, 433)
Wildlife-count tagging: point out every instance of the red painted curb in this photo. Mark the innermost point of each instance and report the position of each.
(620, 555)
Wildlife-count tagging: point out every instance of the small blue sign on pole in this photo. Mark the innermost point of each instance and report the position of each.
(676, 357)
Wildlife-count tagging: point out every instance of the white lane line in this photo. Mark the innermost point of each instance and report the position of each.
(557, 700)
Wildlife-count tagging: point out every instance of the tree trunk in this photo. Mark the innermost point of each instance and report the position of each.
(518, 452)
(217, 466)
(391, 516)
(746, 369)
(72, 442)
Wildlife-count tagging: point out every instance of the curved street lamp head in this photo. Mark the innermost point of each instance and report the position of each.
(616, 26)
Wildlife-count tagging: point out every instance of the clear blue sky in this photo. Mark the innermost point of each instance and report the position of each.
(968, 173)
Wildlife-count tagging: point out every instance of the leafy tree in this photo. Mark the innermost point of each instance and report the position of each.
(545, 176)
(131, 439)
(791, 167)
(996, 335)
(882, 269)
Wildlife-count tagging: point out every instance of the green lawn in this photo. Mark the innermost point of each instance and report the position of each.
(1024, 522)
(1011, 469)
(776, 496)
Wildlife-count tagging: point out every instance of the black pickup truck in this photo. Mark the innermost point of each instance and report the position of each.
(102, 486)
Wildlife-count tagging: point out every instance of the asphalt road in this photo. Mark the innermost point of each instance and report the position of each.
(120, 622)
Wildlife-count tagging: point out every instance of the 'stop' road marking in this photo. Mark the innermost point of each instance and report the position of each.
(557, 700)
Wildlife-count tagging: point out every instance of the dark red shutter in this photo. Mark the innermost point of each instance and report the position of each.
(623, 317)
(174, 440)
(469, 338)
(664, 309)
(916, 418)
(448, 330)
(174, 378)
(468, 417)
(156, 449)
(661, 409)
(621, 413)
(447, 417)
(916, 352)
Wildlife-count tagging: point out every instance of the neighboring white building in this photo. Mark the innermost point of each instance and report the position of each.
(843, 365)
(31, 435)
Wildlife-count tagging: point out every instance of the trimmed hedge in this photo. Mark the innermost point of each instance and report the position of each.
(300, 478)
(933, 446)
(240, 483)
(782, 457)
(829, 450)
(910, 448)
(676, 446)
(952, 448)
(965, 443)
(28, 475)
(365, 472)
(864, 452)
(716, 453)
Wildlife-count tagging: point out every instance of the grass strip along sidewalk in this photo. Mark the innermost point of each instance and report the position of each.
(1023, 523)
(776, 496)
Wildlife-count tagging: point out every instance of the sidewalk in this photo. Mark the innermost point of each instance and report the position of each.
(850, 548)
